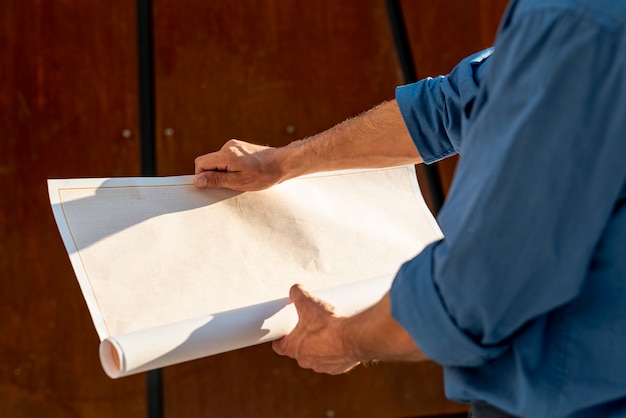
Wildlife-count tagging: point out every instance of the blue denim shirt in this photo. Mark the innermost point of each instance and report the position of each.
(524, 300)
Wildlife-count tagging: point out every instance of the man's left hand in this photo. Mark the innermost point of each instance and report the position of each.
(318, 341)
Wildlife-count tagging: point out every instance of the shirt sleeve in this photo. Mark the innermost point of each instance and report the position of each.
(539, 176)
(433, 108)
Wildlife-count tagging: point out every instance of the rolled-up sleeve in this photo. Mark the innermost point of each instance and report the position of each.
(433, 108)
(541, 167)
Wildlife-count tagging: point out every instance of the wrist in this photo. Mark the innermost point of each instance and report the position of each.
(355, 339)
(374, 335)
(291, 161)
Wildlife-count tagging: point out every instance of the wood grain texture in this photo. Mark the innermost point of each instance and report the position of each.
(265, 71)
(67, 92)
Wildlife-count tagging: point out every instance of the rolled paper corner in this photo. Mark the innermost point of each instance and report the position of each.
(112, 358)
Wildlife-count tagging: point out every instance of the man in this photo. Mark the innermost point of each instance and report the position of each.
(522, 302)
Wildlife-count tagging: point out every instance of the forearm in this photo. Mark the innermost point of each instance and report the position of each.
(376, 138)
(375, 335)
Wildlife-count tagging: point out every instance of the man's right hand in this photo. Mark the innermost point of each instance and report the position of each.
(238, 166)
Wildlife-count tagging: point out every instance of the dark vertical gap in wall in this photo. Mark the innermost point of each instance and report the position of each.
(407, 64)
(154, 380)
(146, 87)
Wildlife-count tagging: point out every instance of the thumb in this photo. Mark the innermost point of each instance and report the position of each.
(300, 298)
(211, 179)
(307, 305)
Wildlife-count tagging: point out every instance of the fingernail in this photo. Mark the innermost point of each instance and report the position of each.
(200, 181)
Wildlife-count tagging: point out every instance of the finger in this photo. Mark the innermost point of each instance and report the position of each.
(297, 293)
(280, 346)
(302, 300)
(202, 180)
(200, 164)
(306, 304)
(277, 346)
(215, 179)
(209, 162)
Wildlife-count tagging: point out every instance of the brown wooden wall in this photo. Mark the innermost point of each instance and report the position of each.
(68, 91)
(269, 71)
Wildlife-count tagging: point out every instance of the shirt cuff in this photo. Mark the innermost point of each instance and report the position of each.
(418, 306)
(414, 100)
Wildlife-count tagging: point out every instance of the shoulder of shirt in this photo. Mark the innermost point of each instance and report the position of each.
(611, 14)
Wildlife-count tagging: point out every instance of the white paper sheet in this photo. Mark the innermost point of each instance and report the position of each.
(171, 273)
